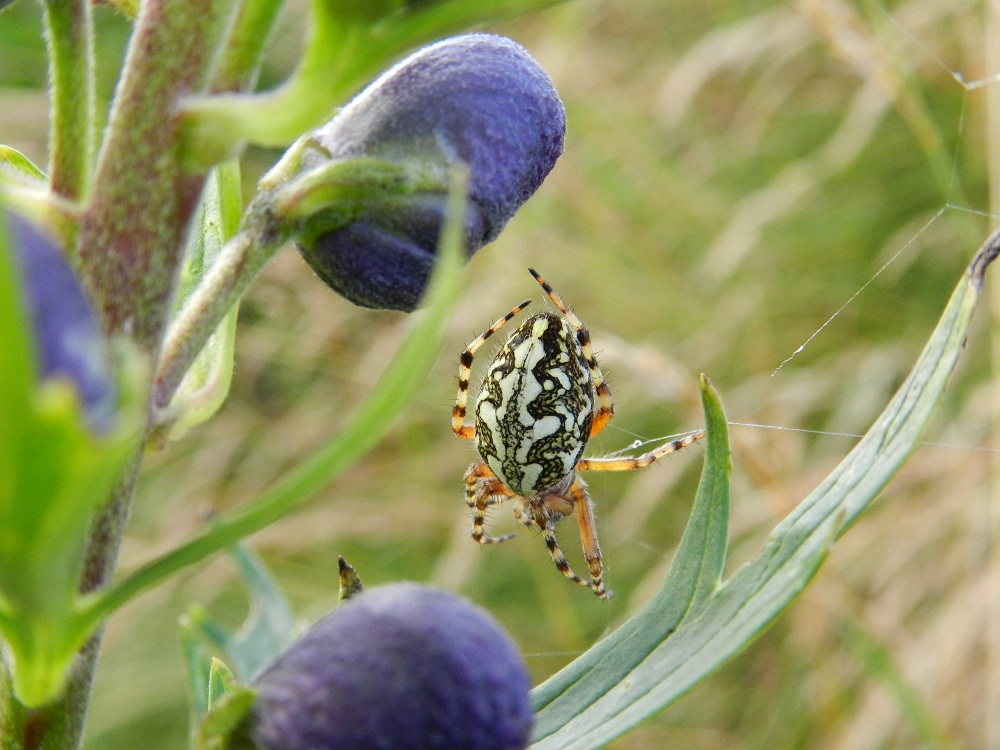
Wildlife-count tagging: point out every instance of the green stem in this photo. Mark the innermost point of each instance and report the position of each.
(283, 204)
(69, 35)
(59, 725)
(345, 49)
(131, 234)
(219, 123)
(243, 48)
(241, 260)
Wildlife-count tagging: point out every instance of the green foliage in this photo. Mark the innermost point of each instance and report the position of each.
(206, 383)
(54, 474)
(266, 632)
(65, 491)
(20, 162)
(694, 625)
(756, 137)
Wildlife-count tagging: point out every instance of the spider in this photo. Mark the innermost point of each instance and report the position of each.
(542, 398)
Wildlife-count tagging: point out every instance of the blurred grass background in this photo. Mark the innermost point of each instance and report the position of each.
(734, 174)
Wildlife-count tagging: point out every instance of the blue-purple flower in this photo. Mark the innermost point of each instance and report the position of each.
(396, 666)
(68, 341)
(480, 99)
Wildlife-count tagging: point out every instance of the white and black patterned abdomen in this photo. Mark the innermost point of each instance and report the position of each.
(536, 406)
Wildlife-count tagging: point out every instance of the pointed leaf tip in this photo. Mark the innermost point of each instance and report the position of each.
(986, 255)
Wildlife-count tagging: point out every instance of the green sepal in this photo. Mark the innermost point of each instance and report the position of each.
(308, 194)
(329, 195)
(221, 681)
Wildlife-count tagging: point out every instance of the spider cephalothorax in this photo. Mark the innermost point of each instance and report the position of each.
(542, 398)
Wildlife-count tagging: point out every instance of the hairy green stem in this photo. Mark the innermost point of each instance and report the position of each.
(243, 48)
(234, 270)
(69, 36)
(283, 205)
(131, 234)
(218, 124)
(128, 250)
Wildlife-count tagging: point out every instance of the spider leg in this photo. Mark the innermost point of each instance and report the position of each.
(588, 537)
(546, 512)
(637, 462)
(483, 489)
(461, 429)
(605, 406)
(558, 558)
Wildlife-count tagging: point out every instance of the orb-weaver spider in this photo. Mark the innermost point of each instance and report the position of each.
(542, 398)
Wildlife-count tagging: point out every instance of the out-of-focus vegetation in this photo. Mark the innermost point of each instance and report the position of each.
(735, 174)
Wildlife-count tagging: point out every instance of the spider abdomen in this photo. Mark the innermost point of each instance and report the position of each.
(536, 406)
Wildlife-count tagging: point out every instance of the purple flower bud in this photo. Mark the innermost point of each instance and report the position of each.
(479, 99)
(397, 666)
(67, 339)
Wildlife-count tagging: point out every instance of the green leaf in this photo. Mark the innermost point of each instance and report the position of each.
(221, 681)
(269, 627)
(694, 574)
(199, 666)
(206, 384)
(225, 715)
(636, 671)
(267, 631)
(20, 162)
(54, 472)
(17, 365)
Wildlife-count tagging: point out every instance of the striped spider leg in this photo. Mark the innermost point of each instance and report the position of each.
(542, 398)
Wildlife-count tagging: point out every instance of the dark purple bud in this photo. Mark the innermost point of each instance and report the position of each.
(397, 666)
(479, 99)
(67, 339)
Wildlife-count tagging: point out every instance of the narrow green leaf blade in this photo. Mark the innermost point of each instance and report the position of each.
(270, 626)
(695, 573)
(21, 163)
(587, 717)
(206, 384)
(17, 367)
(199, 666)
(696, 570)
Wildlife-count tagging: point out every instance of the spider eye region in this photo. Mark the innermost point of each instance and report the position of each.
(536, 406)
